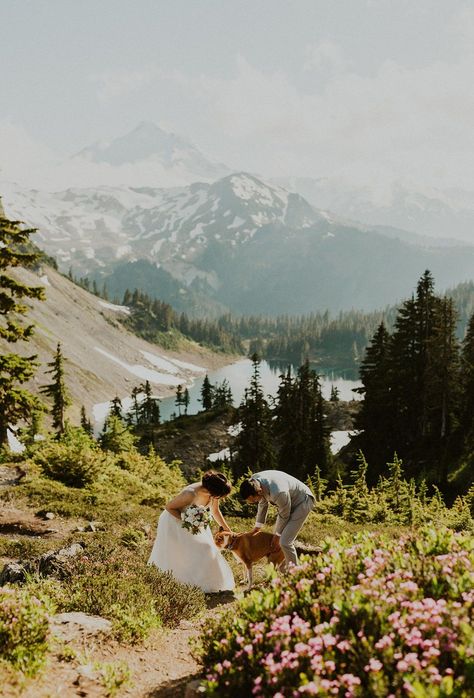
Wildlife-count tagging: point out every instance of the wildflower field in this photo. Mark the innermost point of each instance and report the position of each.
(371, 616)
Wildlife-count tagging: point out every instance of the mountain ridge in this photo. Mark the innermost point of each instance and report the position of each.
(238, 243)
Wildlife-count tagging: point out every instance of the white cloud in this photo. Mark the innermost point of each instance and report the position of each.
(326, 56)
(407, 123)
(111, 85)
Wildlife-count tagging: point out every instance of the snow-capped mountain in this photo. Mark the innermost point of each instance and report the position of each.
(239, 243)
(91, 228)
(441, 214)
(157, 157)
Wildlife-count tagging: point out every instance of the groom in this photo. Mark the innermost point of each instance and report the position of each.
(293, 500)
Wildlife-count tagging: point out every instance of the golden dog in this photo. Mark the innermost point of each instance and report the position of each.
(248, 548)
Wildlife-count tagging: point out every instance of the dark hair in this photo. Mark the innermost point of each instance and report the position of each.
(248, 488)
(216, 484)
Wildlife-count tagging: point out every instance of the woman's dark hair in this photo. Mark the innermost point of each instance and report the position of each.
(248, 488)
(216, 484)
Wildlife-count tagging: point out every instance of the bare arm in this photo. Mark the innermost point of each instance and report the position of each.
(217, 516)
(176, 506)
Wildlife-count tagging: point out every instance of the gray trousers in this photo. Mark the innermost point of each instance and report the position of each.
(297, 518)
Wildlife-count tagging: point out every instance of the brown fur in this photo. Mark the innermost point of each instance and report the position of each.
(249, 549)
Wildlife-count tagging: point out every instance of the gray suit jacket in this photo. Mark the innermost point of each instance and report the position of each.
(282, 490)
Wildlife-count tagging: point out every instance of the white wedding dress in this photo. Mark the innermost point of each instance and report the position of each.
(192, 559)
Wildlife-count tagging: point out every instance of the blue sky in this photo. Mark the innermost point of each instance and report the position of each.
(366, 88)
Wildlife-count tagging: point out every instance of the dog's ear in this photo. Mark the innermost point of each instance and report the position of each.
(221, 528)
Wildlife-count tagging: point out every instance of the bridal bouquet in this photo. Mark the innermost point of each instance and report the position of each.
(195, 519)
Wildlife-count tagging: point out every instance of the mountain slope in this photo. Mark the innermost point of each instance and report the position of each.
(238, 243)
(103, 359)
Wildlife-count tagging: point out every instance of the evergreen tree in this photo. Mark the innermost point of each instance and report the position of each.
(467, 389)
(254, 446)
(300, 424)
(116, 436)
(206, 394)
(86, 424)
(149, 408)
(179, 398)
(16, 403)
(375, 417)
(133, 416)
(116, 408)
(186, 400)
(57, 391)
(222, 395)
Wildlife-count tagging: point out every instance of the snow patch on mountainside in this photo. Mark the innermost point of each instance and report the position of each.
(142, 372)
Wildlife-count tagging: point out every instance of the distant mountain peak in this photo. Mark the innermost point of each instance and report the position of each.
(149, 148)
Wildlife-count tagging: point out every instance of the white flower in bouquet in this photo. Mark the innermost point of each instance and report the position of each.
(195, 519)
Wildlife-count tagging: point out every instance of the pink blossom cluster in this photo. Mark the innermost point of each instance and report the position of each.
(374, 617)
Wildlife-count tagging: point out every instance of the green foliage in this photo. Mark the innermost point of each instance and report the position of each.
(368, 617)
(254, 444)
(24, 630)
(125, 486)
(15, 403)
(116, 436)
(74, 459)
(113, 676)
(411, 388)
(115, 582)
(393, 500)
(57, 391)
(300, 424)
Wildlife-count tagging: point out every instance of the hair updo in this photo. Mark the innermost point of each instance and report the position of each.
(216, 484)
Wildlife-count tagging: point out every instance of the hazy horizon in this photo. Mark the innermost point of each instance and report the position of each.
(366, 92)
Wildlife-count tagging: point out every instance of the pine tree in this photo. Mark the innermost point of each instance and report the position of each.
(133, 416)
(116, 408)
(186, 400)
(86, 424)
(254, 444)
(221, 395)
(206, 393)
(467, 389)
(179, 398)
(149, 408)
(57, 391)
(16, 403)
(300, 423)
(375, 417)
(116, 436)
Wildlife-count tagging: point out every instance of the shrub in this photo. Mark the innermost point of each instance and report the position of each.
(23, 630)
(74, 459)
(116, 583)
(367, 618)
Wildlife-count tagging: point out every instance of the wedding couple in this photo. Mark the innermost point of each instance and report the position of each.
(195, 559)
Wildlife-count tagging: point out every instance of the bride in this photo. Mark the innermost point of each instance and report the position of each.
(194, 559)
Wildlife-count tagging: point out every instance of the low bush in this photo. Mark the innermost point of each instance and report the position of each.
(74, 459)
(23, 630)
(126, 487)
(370, 617)
(116, 583)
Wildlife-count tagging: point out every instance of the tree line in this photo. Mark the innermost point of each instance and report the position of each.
(337, 341)
(418, 390)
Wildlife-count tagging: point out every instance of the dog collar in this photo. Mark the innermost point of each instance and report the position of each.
(231, 543)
